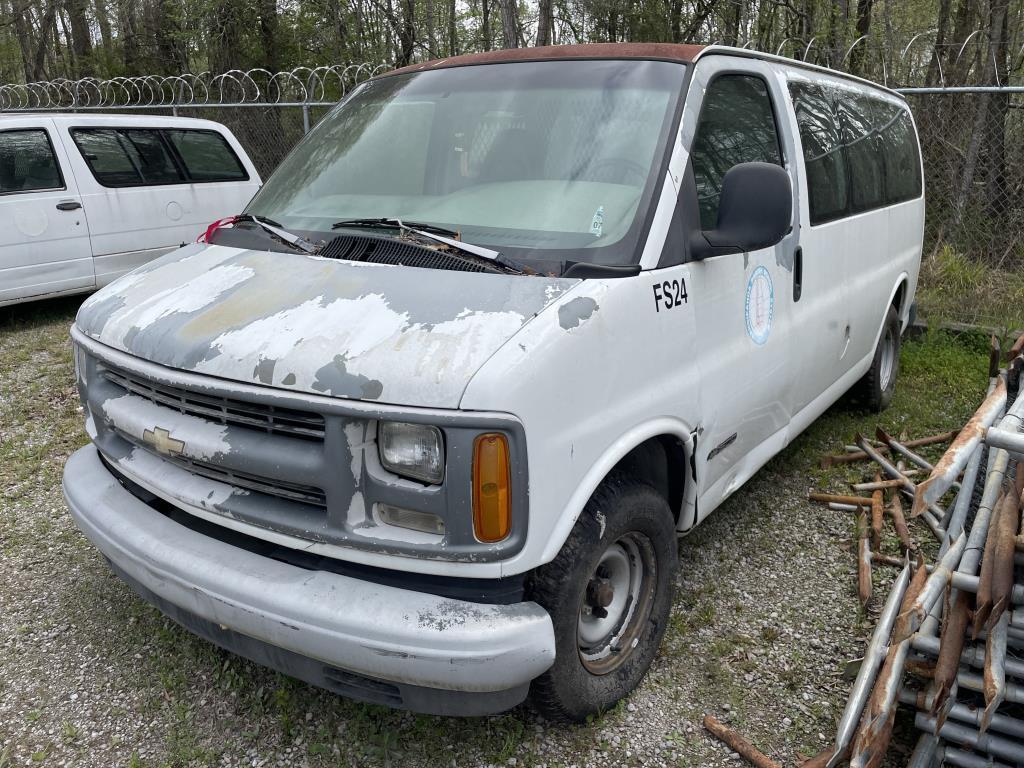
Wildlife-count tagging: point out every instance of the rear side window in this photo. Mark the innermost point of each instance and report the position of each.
(824, 157)
(737, 125)
(860, 151)
(133, 157)
(27, 162)
(862, 119)
(207, 156)
(902, 157)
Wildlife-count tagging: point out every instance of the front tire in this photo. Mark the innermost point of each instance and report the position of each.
(879, 383)
(609, 594)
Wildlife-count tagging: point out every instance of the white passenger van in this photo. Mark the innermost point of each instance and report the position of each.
(421, 426)
(86, 198)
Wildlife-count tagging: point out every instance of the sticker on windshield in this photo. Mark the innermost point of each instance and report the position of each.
(759, 305)
(597, 223)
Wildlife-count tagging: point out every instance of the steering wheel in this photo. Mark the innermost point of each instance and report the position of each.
(617, 170)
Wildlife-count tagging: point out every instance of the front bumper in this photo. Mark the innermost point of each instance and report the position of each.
(367, 641)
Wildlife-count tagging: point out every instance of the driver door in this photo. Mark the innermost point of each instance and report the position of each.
(743, 314)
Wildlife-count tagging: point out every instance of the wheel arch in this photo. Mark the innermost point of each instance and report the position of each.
(648, 452)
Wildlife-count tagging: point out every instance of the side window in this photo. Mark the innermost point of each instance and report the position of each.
(149, 152)
(824, 158)
(129, 157)
(207, 156)
(27, 162)
(107, 156)
(902, 158)
(737, 125)
(862, 120)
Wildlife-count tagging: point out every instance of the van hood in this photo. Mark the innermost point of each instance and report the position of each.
(400, 335)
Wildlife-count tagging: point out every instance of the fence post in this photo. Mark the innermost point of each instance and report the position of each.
(305, 119)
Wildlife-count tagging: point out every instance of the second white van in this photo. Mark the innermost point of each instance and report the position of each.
(85, 198)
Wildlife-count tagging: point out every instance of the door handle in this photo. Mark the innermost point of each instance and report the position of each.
(798, 273)
(68, 205)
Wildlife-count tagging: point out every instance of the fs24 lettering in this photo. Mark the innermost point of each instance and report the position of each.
(671, 293)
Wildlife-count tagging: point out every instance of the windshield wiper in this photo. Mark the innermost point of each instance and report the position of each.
(385, 223)
(297, 242)
(432, 232)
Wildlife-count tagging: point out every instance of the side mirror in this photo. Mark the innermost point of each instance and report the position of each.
(755, 211)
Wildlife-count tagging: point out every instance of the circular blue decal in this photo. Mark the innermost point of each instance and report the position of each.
(759, 305)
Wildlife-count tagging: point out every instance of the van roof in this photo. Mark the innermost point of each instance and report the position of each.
(97, 119)
(682, 53)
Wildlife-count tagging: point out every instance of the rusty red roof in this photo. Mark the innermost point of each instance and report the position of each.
(664, 51)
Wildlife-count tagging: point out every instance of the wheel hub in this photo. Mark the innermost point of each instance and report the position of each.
(616, 602)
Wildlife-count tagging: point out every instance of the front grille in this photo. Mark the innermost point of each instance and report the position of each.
(304, 494)
(222, 410)
(388, 251)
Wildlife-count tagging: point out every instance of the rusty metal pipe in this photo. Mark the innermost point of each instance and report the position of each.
(895, 473)
(829, 461)
(1011, 726)
(896, 447)
(962, 734)
(924, 751)
(954, 461)
(963, 759)
(738, 744)
(1008, 441)
(873, 656)
(878, 515)
(994, 674)
(835, 498)
(971, 655)
(899, 522)
(910, 619)
(875, 731)
(863, 559)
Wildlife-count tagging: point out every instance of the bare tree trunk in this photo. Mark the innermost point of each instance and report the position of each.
(106, 37)
(510, 23)
(485, 23)
(543, 22)
(81, 42)
(407, 35)
(453, 30)
(429, 13)
(675, 15)
(268, 34)
(127, 24)
(863, 28)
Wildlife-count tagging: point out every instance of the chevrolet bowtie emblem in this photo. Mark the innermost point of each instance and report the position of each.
(162, 442)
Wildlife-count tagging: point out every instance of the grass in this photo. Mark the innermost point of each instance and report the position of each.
(956, 288)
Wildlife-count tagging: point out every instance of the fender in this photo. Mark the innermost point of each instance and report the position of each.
(612, 455)
(903, 279)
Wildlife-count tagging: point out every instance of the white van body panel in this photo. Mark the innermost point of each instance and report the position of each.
(43, 250)
(118, 228)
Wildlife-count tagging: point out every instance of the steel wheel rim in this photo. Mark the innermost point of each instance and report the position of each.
(888, 359)
(628, 565)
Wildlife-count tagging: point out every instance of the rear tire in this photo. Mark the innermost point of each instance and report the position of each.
(879, 383)
(620, 560)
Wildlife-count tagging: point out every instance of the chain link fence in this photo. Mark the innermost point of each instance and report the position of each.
(972, 142)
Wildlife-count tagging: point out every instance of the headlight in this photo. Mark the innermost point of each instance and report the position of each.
(412, 450)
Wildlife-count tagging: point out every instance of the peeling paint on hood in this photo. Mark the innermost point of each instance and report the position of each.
(399, 335)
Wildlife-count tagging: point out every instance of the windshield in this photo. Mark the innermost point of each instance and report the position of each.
(552, 161)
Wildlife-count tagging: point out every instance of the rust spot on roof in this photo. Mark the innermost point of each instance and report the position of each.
(664, 51)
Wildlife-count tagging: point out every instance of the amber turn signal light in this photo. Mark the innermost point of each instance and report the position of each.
(492, 499)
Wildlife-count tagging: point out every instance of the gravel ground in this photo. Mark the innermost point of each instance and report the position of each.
(765, 617)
